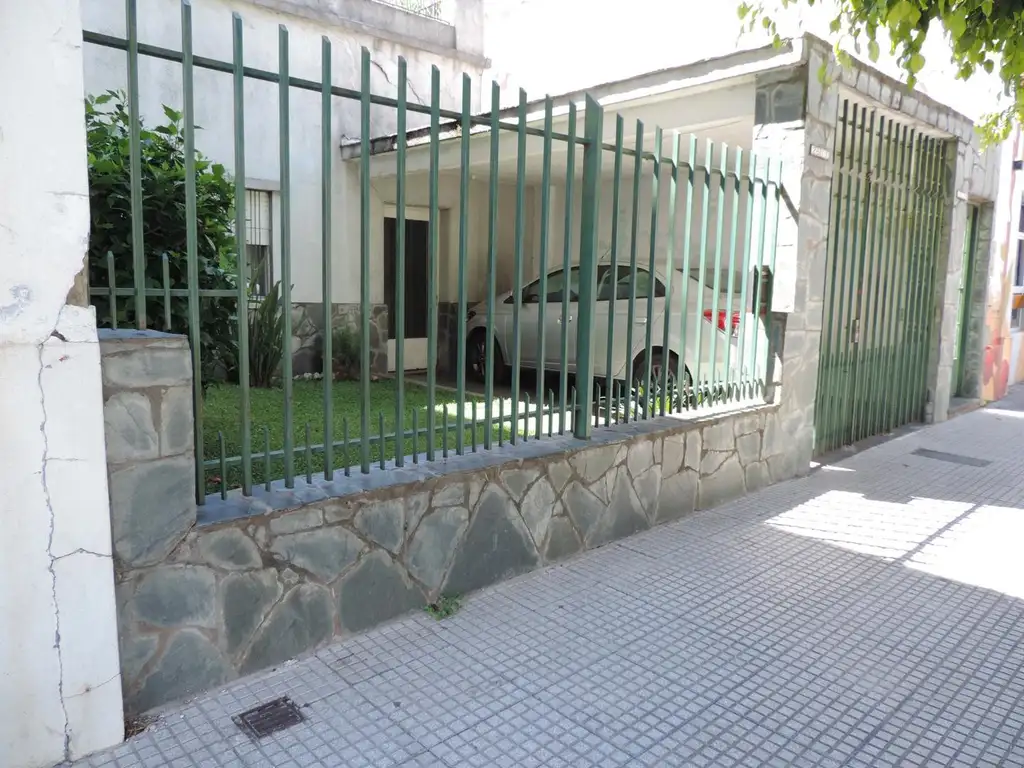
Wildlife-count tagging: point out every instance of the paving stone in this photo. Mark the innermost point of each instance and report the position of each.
(129, 428)
(176, 595)
(624, 515)
(757, 477)
(537, 508)
(176, 434)
(748, 448)
(497, 545)
(451, 495)
(648, 491)
(434, 543)
(517, 481)
(151, 367)
(229, 549)
(694, 448)
(583, 507)
(712, 460)
(190, 664)
(383, 522)
(678, 497)
(245, 599)
(562, 540)
(136, 650)
(338, 510)
(325, 553)
(373, 592)
(152, 507)
(640, 457)
(300, 520)
(719, 437)
(559, 473)
(725, 484)
(592, 463)
(303, 620)
(673, 453)
(416, 505)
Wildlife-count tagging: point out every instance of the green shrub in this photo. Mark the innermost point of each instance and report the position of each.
(163, 228)
(345, 349)
(266, 338)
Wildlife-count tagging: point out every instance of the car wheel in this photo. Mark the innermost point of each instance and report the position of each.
(476, 358)
(675, 397)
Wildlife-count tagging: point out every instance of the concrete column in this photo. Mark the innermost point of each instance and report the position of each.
(795, 123)
(948, 266)
(59, 670)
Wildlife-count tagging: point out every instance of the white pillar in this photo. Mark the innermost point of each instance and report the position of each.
(60, 686)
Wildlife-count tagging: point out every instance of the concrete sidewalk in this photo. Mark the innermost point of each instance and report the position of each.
(869, 614)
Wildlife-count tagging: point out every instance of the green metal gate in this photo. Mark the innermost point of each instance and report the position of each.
(888, 197)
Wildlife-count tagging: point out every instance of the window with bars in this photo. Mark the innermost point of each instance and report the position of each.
(258, 240)
(1017, 305)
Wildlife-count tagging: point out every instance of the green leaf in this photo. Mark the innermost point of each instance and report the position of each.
(916, 63)
(873, 50)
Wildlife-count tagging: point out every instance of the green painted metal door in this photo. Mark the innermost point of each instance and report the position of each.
(878, 322)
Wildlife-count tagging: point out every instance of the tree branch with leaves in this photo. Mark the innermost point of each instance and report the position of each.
(986, 35)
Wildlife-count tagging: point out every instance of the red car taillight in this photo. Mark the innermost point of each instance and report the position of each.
(722, 315)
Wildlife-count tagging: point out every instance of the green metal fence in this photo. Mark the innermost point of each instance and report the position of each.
(654, 306)
(888, 193)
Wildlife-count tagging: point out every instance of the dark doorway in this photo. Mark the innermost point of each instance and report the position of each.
(416, 238)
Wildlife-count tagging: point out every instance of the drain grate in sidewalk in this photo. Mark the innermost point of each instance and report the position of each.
(269, 718)
(952, 458)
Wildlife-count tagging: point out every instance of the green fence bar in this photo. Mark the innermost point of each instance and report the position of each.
(284, 145)
(415, 439)
(827, 367)
(492, 264)
(761, 202)
(112, 289)
(267, 482)
(165, 274)
(700, 376)
(223, 467)
(501, 421)
(326, 208)
(308, 457)
(191, 245)
(460, 365)
(613, 266)
(382, 444)
(652, 264)
(932, 221)
(634, 230)
(913, 282)
(892, 324)
(243, 270)
(517, 261)
(570, 186)
(744, 329)
(684, 314)
(345, 459)
(135, 164)
(670, 268)
(723, 161)
(400, 157)
(432, 259)
(730, 283)
(364, 263)
(545, 217)
(593, 122)
(775, 179)
(881, 285)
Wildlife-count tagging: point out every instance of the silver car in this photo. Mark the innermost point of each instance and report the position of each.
(705, 334)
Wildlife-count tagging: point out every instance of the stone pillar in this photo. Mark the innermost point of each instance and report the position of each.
(948, 266)
(59, 666)
(796, 112)
(147, 413)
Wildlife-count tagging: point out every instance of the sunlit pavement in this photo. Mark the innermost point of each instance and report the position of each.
(869, 614)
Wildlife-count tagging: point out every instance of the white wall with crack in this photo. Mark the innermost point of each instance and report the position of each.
(59, 666)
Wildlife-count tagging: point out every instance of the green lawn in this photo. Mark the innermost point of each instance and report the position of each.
(221, 415)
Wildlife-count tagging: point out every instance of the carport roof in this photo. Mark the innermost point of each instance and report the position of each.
(639, 87)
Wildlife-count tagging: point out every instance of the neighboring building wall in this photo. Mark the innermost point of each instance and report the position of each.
(1002, 363)
(386, 31)
(60, 691)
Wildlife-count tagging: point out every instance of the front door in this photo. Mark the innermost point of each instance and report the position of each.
(415, 288)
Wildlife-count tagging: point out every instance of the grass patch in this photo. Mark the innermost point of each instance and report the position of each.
(221, 414)
(446, 605)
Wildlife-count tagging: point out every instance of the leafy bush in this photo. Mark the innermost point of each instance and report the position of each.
(163, 227)
(345, 349)
(266, 338)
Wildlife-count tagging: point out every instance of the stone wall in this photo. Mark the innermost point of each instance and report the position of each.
(200, 604)
(307, 331)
